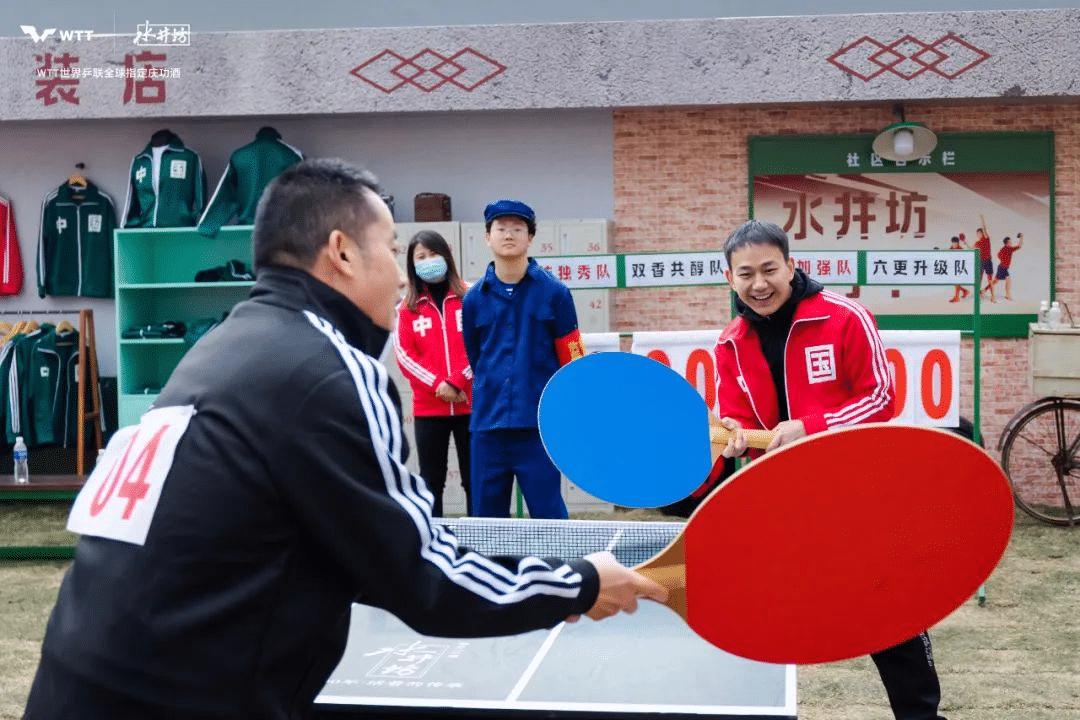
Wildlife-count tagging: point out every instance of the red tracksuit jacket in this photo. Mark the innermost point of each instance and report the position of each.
(834, 369)
(429, 350)
(11, 266)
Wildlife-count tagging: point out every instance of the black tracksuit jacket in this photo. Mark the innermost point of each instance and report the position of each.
(288, 499)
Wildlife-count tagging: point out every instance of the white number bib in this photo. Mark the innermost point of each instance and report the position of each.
(120, 497)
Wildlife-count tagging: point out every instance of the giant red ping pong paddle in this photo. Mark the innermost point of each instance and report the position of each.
(839, 545)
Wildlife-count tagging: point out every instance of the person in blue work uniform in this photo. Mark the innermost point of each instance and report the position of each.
(520, 326)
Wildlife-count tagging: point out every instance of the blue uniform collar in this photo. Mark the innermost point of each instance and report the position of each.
(533, 270)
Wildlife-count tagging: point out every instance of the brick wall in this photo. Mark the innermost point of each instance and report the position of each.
(681, 184)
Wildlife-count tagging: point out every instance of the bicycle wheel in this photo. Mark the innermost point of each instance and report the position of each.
(1040, 457)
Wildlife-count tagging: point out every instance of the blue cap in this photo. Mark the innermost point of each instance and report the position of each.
(501, 208)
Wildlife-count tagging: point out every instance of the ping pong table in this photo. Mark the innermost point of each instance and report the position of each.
(645, 664)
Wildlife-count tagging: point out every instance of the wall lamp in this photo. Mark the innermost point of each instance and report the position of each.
(904, 140)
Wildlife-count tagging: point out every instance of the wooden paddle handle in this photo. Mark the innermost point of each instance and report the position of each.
(673, 577)
(670, 576)
(719, 435)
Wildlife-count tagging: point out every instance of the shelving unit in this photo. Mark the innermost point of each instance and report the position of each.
(155, 281)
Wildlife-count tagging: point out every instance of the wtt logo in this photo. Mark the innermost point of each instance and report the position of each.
(65, 35)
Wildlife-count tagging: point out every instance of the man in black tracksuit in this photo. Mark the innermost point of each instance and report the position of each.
(286, 500)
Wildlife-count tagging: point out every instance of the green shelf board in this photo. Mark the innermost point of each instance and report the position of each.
(184, 285)
(49, 552)
(151, 341)
(43, 494)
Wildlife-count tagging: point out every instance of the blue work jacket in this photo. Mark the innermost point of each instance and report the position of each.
(510, 342)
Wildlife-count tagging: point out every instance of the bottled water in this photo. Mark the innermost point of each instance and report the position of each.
(22, 470)
(1053, 316)
(1044, 311)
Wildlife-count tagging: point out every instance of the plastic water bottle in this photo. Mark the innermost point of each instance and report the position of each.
(1053, 316)
(22, 470)
(1044, 313)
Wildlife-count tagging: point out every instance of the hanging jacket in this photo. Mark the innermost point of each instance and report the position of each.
(9, 389)
(11, 265)
(75, 242)
(250, 170)
(16, 372)
(166, 186)
(50, 387)
(430, 350)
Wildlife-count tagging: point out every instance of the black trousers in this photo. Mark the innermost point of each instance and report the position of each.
(910, 679)
(432, 448)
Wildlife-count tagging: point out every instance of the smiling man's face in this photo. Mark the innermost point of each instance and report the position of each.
(761, 277)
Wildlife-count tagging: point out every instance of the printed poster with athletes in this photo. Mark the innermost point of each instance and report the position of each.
(987, 192)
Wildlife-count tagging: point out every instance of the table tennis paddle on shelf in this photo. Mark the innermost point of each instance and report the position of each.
(839, 545)
(630, 430)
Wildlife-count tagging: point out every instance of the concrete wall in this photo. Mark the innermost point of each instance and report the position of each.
(823, 58)
(215, 16)
(558, 160)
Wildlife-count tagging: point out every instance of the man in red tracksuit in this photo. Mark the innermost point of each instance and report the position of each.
(799, 359)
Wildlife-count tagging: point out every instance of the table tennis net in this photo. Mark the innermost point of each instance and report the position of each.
(632, 542)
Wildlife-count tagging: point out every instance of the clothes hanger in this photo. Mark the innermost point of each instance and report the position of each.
(64, 326)
(76, 180)
(16, 329)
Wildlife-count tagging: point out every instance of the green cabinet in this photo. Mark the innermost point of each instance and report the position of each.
(155, 282)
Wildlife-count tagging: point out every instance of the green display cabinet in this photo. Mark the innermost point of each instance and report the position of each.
(155, 282)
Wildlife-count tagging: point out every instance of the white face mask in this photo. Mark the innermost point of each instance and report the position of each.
(432, 270)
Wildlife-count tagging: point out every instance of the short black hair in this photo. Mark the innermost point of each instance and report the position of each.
(756, 232)
(304, 204)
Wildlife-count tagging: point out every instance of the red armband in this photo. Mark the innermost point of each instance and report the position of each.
(569, 347)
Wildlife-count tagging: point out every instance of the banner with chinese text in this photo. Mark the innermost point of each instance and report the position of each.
(697, 267)
(925, 366)
(993, 193)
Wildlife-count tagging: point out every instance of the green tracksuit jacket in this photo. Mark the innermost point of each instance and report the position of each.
(39, 392)
(18, 368)
(166, 187)
(75, 242)
(250, 170)
(50, 387)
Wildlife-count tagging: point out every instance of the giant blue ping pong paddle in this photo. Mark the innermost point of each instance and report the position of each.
(630, 430)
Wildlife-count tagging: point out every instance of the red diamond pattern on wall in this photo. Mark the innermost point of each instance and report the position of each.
(907, 57)
(428, 70)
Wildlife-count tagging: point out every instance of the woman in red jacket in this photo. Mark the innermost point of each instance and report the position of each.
(431, 354)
